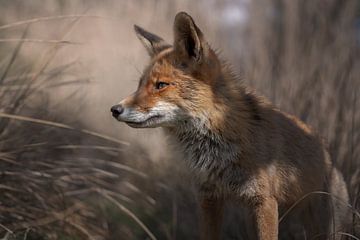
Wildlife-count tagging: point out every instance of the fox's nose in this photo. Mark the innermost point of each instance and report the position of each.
(117, 110)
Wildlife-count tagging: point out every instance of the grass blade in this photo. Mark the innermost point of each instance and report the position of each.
(43, 19)
(61, 125)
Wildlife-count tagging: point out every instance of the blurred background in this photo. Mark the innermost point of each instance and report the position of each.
(70, 171)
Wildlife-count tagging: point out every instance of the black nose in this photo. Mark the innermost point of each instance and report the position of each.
(117, 110)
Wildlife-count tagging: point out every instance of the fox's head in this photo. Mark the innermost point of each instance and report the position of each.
(179, 83)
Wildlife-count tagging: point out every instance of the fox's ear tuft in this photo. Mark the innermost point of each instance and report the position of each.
(188, 39)
(153, 43)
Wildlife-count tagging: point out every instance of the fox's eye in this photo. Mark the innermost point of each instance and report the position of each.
(160, 85)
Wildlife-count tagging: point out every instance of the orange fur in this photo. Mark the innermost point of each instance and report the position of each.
(238, 145)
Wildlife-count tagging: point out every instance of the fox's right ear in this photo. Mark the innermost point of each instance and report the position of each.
(189, 41)
(153, 43)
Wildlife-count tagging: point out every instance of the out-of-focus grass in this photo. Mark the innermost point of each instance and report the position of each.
(42, 185)
(59, 180)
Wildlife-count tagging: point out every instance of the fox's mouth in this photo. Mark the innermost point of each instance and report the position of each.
(152, 121)
(161, 115)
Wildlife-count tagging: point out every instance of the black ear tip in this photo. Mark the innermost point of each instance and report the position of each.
(141, 32)
(138, 29)
(183, 16)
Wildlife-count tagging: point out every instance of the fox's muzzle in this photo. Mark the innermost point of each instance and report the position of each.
(135, 118)
(161, 114)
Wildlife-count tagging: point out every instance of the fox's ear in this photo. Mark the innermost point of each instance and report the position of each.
(189, 41)
(153, 43)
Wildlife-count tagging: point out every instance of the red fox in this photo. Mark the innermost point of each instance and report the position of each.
(237, 144)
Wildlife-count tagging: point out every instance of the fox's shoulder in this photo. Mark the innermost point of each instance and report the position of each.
(274, 116)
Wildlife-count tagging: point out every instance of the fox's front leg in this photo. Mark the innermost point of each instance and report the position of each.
(266, 218)
(211, 217)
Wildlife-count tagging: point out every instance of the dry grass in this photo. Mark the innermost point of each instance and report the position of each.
(61, 180)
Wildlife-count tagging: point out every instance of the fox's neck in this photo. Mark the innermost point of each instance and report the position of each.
(217, 136)
(206, 151)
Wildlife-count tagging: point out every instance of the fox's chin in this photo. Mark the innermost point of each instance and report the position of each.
(152, 122)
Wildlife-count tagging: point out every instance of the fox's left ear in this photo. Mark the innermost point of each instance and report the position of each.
(189, 41)
(153, 43)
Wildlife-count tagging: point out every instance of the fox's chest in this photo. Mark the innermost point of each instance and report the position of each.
(207, 154)
(215, 164)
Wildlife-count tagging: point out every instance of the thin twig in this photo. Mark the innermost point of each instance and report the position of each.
(28, 40)
(336, 233)
(42, 19)
(320, 193)
(55, 216)
(117, 165)
(61, 125)
(95, 147)
(6, 229)
(80, 228)
(14, 55)
(129, 213)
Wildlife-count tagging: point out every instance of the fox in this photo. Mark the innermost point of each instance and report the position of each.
(238, 145)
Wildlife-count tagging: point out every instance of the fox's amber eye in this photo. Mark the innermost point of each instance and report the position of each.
(160, 85)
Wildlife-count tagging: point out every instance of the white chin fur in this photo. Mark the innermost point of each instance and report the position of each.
(162, 114)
